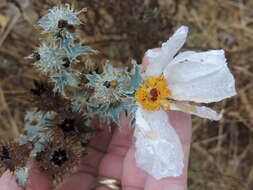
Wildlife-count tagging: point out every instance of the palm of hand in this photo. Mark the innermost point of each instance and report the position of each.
(112, 155)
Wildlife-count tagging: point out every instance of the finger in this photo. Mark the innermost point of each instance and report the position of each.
(37, 180)
(133, 178)
(144, 63)
(112, 164)
(182, 124)
(96, 151)
(87, 171)
(8, 182)
(78, 181)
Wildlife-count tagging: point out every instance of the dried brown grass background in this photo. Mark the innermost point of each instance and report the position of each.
(222, 152)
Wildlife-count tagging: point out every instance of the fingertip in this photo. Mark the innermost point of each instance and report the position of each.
(124, 127)
(78, 181)
(38, 180)
(101, 140)
(144, 63)
(182, 123)
(178, 117)
(132, 175)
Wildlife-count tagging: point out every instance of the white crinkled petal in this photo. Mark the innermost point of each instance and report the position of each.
(201, 111)
(159, 59)
(200, 77)
(158, 148)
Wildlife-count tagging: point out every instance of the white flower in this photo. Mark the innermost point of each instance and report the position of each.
(170, 81)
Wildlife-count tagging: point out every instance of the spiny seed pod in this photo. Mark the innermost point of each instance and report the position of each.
(14, 156)
(71, 126)
(58, 160)
(45, 99)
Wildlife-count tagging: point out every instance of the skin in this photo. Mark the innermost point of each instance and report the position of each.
(111, 155)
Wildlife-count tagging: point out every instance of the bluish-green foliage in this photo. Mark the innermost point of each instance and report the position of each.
(73, 50)
(107, 94)
(65, 78)
(79, 101)
(35, 122)
(135, 75)
(58, 54)
(110, 101)
(49, 23)
(51, 58)
(22, 175)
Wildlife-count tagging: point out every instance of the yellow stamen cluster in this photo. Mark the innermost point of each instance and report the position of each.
(154, 94)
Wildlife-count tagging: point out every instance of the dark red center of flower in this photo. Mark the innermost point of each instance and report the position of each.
(154, 94)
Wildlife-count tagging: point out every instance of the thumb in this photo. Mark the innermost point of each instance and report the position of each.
(8, 182)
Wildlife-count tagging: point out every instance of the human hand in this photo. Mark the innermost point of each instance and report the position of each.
(111, 155)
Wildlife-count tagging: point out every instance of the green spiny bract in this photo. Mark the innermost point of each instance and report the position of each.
(35, 123)
(114, 91)
(56, 57)
(43, 97)
(65, 105)
(50, 23)
(14, 157)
